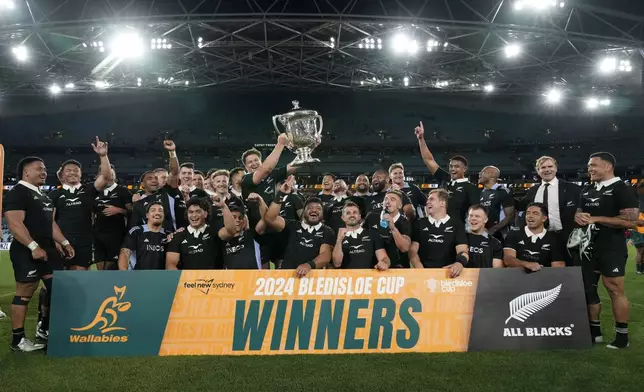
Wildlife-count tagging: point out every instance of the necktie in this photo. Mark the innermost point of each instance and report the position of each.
(545, 194)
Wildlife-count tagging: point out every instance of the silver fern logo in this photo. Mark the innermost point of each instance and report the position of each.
(524, 306)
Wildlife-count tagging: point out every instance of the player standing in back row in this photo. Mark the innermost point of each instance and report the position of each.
(607, 207)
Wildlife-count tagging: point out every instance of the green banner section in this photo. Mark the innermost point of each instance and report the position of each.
(106, 313)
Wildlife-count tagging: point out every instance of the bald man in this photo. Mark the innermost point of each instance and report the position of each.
(498, 201)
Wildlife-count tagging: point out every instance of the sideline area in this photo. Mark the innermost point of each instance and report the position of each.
(599, 369)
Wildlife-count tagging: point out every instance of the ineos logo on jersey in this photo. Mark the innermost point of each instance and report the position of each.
(234, 249)
(154, 248)
(486, 203)
(474, 249)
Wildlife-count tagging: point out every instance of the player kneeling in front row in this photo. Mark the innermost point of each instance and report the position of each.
(485, 251)
(198, 246)
(310, 242)
(534, 247)
(144, 246)
(439, 241)
(356, 246)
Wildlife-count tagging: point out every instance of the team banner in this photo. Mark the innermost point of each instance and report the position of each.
(232, 312)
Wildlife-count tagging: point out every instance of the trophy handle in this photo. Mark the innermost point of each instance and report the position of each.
(318, 117)
(277, 129)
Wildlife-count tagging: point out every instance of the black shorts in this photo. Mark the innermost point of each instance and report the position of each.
(83, 251)
(28, 270)
(610, 264)
(107, 246)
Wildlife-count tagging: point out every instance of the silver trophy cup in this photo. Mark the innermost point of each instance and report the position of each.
(304, 135)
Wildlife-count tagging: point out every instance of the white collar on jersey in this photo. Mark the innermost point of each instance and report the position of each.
(457, 181)
(354, 233)
(30, 186)
(109, 189)
(310, 229)
(72, 188)
(234, 192)
(196, 232)
(382, 215)
(533, 237)
(438, 222)
(606, 183)
(338, 199)
(188, 189)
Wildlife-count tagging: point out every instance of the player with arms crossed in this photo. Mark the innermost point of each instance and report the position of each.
(607, 207)
(356, 246)
(439, 241)
(30, 218)
(534, 247)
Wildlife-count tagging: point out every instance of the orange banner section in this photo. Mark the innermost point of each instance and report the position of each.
(1, 179)
(328, 312)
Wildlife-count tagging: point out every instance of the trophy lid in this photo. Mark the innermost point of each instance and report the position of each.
(297, 112)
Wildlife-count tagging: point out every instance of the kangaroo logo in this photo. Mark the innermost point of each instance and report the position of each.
(108, 311)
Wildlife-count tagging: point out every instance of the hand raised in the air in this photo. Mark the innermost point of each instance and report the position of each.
(169, 145)
(283, 140)
(100, 147)
(420, 131)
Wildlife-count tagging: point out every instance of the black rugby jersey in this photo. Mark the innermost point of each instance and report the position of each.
(147, 248)
(198, 249)
(265, 188)
(333, 213)
(373, 201)
(74, 207)
(437, 240)
(38, 208)
(242, 252)
(114, 195)
(495, 200)
(607, 199)
(398, 258)
(359, 248)
(417, 198)
(216, 219)
(304, 242)
(174, 208)
(542, 248)
(290, 206)
(483, 249)
(462, 194)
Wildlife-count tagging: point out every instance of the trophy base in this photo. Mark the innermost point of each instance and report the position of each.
(303, 157)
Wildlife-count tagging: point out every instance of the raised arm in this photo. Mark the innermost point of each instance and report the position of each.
(173, 178)
(230, 228)
(271, 161)
(105, 176)
(428, 157)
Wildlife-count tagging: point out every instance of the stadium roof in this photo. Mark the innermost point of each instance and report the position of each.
(437, 46)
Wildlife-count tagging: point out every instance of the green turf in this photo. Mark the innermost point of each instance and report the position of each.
(599, 369)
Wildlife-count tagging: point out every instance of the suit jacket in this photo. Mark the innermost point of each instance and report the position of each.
(569, 194)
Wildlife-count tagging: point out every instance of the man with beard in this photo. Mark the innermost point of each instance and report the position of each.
(357, 247)
(310, 242)
(333, 211)
(144, 246)
(162, 179)
(534, 247)
(219, 180)
(393, 227)
(439, 241)
(462, 193)
(485, 251)
(415, 195)
(236, 176)
(374, 201)
(240, 247)
(198, 180)
(30, 217)
(362, 186)
(188, 188)
(498, 201)
(169, 195)
(74, 204)
(607, 207)
(560, 198)
(326, 195)
(111, 207)
(198, 246)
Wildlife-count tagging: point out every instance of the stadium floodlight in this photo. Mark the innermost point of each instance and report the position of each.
(406, 81)
(608, 65)
(99, 84)
(7, 5)
(605, 102)
(592, 103)
(625, 66)
(69, 86)
(537, 5)
(127, 45)
(54, 89)
(187, 82)
(554, 96)
(512, 50)
(362, 82)
(488, 88)
(20, 52)
(403, 44)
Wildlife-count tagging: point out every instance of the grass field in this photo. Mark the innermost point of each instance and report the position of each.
(599, 369)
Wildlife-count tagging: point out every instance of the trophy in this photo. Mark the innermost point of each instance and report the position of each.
(300, 126)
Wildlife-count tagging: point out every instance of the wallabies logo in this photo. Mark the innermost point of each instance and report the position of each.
(105, 321)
